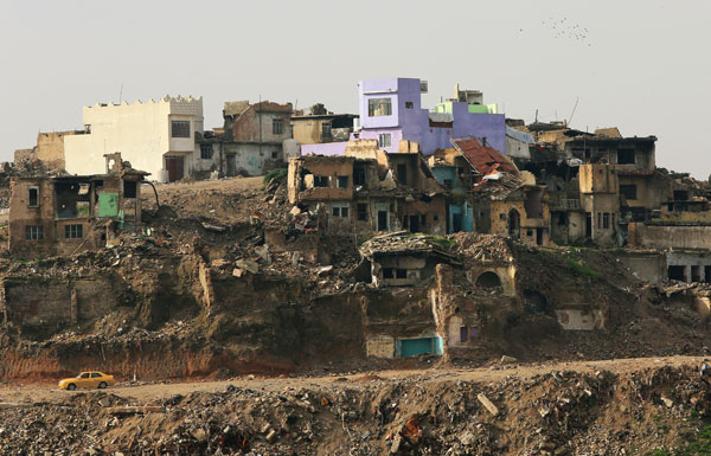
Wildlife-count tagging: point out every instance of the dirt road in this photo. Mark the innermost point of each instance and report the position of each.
(32, 393)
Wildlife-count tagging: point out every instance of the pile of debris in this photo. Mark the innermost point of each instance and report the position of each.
(405, 242)
(556, 413)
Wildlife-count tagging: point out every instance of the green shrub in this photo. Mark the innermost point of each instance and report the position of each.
(278, 174)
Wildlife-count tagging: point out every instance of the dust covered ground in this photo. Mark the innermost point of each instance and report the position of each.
(628, 406)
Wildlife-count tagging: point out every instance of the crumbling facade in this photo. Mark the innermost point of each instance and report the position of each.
(63, 215)
(48, 151)
(251, 142)
(369, 190)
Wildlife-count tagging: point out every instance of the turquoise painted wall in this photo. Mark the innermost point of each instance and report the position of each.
(421, 346)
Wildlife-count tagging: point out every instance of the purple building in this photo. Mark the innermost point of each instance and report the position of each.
(391, 111)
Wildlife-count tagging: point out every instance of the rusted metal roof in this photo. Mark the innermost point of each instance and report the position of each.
(482, 158)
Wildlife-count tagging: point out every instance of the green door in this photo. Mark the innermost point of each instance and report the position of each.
(108, 204)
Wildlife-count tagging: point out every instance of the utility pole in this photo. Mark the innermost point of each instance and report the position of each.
(259, 107)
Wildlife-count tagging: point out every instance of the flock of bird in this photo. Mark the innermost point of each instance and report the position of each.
(563, 29)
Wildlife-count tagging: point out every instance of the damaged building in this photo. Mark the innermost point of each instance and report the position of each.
(251, 141)
(506, 201)
(63, 215)
(369, 190)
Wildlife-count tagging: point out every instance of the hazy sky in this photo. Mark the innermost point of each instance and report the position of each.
(641, 65)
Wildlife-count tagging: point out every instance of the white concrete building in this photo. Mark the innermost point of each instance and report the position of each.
(154, 136)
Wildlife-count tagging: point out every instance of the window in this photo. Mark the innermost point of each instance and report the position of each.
(74, 231)
(384, 139)
(321, 181)
(625, 157)
(130, 189)
(380, 107)
(629, 191)
(342, 181)
(84, 375)
(180, 129)
(277, 126)
(339, 211)
(388, 273)
(206, 151)
(275, 154)
(34, 232)
(95, 375)
(401, 273)
(362, 211)
(606, 221)
(33, 197)
(358, 175)
(409, 105)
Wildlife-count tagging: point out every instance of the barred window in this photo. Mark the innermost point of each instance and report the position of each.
(277, 126)
(180, 129)
(75, 231)
(33, 197)
(206, 151)
(34, 232)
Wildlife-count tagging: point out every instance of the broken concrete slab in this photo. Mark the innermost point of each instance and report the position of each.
(488, 405)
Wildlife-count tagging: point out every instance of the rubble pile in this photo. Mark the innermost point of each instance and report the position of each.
(556, 413)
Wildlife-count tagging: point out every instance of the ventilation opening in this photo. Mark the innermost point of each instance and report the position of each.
(488, 280)
(676, 273)
(535, 302)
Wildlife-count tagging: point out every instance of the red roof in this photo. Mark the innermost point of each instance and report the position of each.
(484, 159)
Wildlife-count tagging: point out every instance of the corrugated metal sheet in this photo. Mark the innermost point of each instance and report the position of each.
(483, 158)
(519, 135)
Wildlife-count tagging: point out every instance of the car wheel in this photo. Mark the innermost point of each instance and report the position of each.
(71, 387)
(102, 385)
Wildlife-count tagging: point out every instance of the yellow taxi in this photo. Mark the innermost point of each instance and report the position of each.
(87, 380)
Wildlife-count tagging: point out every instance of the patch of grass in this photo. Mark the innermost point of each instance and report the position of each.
(278, 174)
(699, 446)
(443, 242)
(580, 268)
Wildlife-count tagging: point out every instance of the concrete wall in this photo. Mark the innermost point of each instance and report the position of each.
(302, 173)
(696, 264)
(598, 178)
(648, 266)
(251, 159)
(247, 127)
(139, 130)
(602, 206)
(669, 236)
(42, 307)
(499, 221)
(332, 148)
(652, 190)
(581, 320)
(308, 131)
